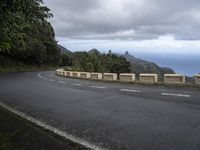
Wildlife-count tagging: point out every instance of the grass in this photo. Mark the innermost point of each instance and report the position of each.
(17, 133)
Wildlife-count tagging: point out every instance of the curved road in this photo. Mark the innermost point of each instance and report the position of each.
(111, 115)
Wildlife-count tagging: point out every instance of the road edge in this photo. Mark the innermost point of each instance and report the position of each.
(49, 128)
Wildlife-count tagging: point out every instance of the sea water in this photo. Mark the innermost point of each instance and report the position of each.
(188, 64)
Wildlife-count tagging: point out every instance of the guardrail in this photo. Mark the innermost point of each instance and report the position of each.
(128, 77)
(85, 75)
(110, 76)
(197, 78)
(174, 78)
(75, 74)
(96, 76)
(148, 78)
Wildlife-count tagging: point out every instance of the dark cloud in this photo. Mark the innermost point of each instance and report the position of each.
(125, 19)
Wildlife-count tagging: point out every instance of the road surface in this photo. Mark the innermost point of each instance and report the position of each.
(110, 115)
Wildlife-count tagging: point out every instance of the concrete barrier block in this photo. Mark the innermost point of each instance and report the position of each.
(174, 78)
(76, 74)
(127, 77)
(68, 73)
(197, 78)
(59, 71)
(109, 76)
(65, 73)
(148, 78)
(96, 76)
(85, 75)
(62, 73)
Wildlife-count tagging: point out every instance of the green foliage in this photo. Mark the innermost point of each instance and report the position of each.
(89, 67)
(96, 62)
(66, 60)
(25, 33)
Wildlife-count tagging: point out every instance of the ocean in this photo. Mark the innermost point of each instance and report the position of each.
(188, 64)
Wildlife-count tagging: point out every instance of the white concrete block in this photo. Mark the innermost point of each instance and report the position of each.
(127, 77)
(109, 76)
(148, 78)
(174, 78)
(96, 76)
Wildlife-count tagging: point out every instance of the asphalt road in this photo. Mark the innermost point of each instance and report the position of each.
(111, 115)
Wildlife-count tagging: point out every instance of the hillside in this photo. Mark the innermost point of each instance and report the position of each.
(63, 50)
(27, 35)
(142, 66)
(94, 50)
(136, 65)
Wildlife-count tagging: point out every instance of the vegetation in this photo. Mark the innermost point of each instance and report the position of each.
(142, 66)
(27, 41)
(96, 62)
(26, 35)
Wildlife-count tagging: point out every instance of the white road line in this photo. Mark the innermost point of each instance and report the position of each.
(173, 94)
(98, 87)
(52, 80)
(62, 82)
(39, 75)
(128, 90)
(77, 84)
(63, 134)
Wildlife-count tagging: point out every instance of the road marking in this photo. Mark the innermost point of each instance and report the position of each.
(99, 87)
(39, 75)
(77, 84)
(52, 80)
(173, 94)
(128, 90)
(63, 134)
(62, 82)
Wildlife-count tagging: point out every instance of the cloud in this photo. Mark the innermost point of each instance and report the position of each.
(163, 44)
(126, 19)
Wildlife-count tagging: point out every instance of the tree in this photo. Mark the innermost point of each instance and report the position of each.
(97, 62)
(89, 67)
(26, 34)
(66, 60)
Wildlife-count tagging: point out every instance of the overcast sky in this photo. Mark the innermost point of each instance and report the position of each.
(143, 25)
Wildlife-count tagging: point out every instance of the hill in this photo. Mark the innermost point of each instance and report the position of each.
(63, 50)
(142, 66)
(26, 37)
(94, 50)
(111, 61)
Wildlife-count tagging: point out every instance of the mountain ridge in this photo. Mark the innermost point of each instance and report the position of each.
(138, 65)
(64, 50)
